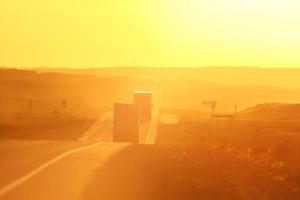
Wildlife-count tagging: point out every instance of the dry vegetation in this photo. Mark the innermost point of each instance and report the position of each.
(43, 126)
(273, 146)
(254, 156)
(54, 106)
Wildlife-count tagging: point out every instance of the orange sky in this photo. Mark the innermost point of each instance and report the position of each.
(98, 33)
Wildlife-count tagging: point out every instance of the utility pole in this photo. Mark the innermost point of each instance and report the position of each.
(30, 105)
(235, 110)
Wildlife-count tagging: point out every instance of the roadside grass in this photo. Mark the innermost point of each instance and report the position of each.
(272, 145)
(45, 126)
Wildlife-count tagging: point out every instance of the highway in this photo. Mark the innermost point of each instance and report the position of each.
(62, 170)
(100, 130)
(95, 168)
(63, 176)
(18, 158)
(114, 171)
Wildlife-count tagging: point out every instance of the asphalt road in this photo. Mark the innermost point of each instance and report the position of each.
(20, 157)
(114, 171)
(100, 130)
(61, 170)
(62, 175)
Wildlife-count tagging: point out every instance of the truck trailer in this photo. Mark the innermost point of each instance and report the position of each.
(144, 100)
(126, 123)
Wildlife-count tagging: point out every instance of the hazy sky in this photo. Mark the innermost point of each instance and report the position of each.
(97, 33)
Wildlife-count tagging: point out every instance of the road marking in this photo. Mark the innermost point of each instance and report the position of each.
(23, 179)
(93, 128)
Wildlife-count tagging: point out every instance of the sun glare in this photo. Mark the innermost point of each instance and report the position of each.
(150, 33)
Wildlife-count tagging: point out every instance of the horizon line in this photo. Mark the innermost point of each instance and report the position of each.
(147, 67)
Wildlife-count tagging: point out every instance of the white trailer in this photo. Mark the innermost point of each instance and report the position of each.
(126, 123)
(144, 100)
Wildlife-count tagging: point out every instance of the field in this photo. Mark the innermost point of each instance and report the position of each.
(47, 126)
(273, 147)
(253, 155)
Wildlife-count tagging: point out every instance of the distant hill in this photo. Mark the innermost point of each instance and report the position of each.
(46, 91)
(88, 91)
(242, 76)
(273, 111)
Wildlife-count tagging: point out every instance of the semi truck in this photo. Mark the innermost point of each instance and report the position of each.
(126, 123)
(144, 100)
